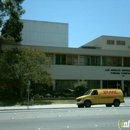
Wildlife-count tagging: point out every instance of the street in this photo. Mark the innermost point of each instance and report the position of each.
(96, 118)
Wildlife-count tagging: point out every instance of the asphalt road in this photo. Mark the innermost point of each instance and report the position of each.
(64, 119)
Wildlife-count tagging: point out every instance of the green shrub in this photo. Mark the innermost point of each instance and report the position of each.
(57, 93)
(80, 88)
(68, 92)
(7, 93)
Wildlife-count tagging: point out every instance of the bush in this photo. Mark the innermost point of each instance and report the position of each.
(57, 93)
(80, 88)
(68, 92)
(7, 93)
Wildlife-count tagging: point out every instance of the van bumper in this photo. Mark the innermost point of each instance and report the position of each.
(80, 102)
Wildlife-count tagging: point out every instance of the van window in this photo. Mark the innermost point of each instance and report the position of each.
(95, 92)
(88, 92)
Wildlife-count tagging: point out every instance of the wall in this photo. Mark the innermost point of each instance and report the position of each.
(116, 47)
(102, 42)
(41, 33)
(90, 72)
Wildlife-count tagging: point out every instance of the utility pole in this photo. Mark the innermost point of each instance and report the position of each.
(28, 87)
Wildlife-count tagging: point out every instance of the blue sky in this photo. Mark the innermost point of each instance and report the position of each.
(87, 19)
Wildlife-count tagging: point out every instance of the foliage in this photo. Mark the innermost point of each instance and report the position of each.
(7, 93)
(63, 93)
(80, 88)
(2, 14)
(68, 92)
(19, 65)
(12, 26)
(57, 93)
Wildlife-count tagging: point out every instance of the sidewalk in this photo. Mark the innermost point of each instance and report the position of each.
(55, 106)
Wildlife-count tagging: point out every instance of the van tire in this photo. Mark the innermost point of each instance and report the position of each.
(116, 103)
(108, 105)
(87, 103)
(80, 106)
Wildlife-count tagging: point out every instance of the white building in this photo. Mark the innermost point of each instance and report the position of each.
(45, 33)
(110, 43)
(103, 63)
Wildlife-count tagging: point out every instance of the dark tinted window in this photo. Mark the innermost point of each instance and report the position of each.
(95, 92)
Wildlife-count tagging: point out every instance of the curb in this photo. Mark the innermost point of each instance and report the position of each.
(53, 106)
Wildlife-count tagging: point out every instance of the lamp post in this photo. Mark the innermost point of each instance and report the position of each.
(28, 86)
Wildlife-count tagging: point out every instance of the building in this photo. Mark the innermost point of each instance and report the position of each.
(103, 63)
(42, 33)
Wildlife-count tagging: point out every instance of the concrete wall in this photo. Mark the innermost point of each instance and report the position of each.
(102, 42)
(88, 72)
(79, 51)
(116, 47)
(96, 42)
(78, 72)
(41, 33)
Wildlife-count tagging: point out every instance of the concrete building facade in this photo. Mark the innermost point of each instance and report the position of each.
(110, 43)
(42, 33)
(103, 62)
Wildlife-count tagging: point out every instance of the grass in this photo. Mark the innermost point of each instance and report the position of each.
(62, 101)
(36, 102)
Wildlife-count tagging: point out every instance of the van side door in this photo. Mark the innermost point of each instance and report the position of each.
(95, 97)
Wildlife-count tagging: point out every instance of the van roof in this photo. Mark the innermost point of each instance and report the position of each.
(106, 89)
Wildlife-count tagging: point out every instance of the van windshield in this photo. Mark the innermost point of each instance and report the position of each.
(88, 92)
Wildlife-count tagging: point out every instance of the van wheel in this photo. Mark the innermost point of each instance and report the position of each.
(87, 103)
(116, 103)
(80, 106)
(108, 105)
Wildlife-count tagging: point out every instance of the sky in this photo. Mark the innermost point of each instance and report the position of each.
(87, 19)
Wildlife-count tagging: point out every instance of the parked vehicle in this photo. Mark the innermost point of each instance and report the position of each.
(101, 96)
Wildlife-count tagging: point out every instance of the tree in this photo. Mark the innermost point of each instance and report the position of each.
(1, 12)
(19, 65)
(13, 25)
(80, 88)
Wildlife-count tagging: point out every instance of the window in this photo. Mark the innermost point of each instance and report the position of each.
(60, 59)
(111, 83)
(110, 42)
(126, 62)
(81, 60)
(64, 84)
(120, 42)
(88, 92)
(111, 61)
(89, 60)
(92, 84)
(72, 59)
(95, 60)
(94, 92)
(84, 60)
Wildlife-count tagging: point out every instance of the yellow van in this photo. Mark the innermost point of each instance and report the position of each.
(101, 96)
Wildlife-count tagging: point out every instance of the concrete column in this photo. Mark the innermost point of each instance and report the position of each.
(78, 60)
(101, 84)
(122, 85)
(100, 60)
(54, 58)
